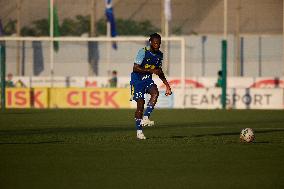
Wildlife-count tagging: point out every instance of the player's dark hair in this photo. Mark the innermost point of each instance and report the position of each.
(220, 73)
(155, 35)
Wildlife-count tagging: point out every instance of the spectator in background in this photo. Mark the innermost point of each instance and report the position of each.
(113, 80)
(9, 81)
(219, 80)
(20, 84)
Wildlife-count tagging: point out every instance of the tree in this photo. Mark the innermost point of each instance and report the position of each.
(81, 24)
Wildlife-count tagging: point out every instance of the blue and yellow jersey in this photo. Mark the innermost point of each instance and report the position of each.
(146, 59)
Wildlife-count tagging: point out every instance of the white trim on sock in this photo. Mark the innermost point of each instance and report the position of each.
(139, 131)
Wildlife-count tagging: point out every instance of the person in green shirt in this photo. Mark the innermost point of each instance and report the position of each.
(113, 80)
(219, 80)
(9, 81)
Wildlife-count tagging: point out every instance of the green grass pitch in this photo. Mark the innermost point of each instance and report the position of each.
(99, 149)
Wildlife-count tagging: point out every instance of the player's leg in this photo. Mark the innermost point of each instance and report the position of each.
(154, 93)
(137, 93)
(138, 118)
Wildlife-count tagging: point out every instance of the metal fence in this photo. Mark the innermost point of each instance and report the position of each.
(255, 41)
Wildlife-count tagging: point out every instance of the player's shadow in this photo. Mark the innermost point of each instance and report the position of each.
(61, 133)
(220, 124)
(227, 134)
(34, 142)
(237, 133)
(58, 130)
(24, 113)
(179, 136)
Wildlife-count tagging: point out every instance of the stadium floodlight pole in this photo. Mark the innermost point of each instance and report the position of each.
(51, 35)
(3, 82)
(225, 19)
(166, 18)
(93, 12)
(237, 40)
(93, 18)
(18, 30)
(259, 56)
(224, 56)
(108, 46)
(183, 70)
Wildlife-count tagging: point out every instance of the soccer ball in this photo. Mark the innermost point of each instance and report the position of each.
(247, 135)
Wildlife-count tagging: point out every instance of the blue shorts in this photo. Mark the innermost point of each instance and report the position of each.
(140, 88)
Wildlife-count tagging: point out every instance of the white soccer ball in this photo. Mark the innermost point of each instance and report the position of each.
(247, 135)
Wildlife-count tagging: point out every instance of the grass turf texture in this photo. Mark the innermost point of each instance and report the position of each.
(98, 149)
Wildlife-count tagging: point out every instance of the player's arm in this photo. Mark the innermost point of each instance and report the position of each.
(162, 76)
(139, 69)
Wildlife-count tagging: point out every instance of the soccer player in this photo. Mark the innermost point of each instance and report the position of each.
(148, 61)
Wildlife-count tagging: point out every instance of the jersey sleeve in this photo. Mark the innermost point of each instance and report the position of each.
(140, 56)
